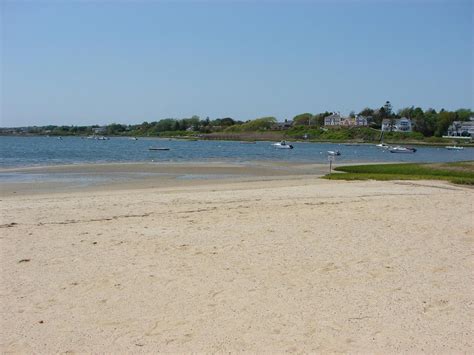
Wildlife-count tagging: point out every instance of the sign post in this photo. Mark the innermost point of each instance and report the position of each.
(331, 158)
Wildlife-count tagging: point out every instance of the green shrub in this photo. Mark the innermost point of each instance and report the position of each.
(458, 173)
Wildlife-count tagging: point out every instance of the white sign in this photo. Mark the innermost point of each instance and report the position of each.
(331, 158)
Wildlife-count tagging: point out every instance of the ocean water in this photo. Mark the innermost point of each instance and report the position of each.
(43, 151)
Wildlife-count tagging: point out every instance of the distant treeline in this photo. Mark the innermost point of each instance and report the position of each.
(426, 123)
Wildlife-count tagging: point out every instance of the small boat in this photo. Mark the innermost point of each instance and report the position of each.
(98, 138)
(454, 147)
(399, 149)
(60, 138)
(282, 145)
(134, 138)
(334, 152)
(158, 148)
(382, 144)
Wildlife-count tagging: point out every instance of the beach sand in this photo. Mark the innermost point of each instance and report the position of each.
(277, 264)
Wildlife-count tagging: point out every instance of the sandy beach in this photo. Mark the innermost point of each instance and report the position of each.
(264, 262)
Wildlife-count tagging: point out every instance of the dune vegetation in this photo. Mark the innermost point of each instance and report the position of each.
(457, 172)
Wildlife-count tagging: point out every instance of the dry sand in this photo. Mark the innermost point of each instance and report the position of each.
(295, 265)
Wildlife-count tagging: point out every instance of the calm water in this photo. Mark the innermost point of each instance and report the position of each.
(35, 151)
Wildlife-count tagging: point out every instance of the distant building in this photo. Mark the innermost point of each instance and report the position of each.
(100, 130)
(462, 128)
(347, 121)
(396, 125)
(283, 125)
(337, 120)
(333, 120)
(361, 121)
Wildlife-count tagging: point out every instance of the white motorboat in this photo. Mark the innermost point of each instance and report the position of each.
(98, 138)
(454, 147)
(334, 152)
(282, 145)
(399, 149)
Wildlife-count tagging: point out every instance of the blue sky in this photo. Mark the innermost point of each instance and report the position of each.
(97, 62)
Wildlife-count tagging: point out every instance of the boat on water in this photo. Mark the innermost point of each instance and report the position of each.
(454, 147)
(282, 145)
(399, 149)
(158, 148)
(98, 138)
(382, 144)
(334, 152)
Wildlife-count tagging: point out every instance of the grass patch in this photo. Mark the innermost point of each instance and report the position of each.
(457, 173)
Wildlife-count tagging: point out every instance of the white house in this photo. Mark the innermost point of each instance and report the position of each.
(337, 120)
(361, 121)
(462, 128)
(333, 120)
(396, 125)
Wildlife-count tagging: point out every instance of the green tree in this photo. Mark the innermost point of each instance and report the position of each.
(227, 122)
(367, 112)
(444, 120)
(115, 129)
(430, 118)
(167, 124)
(303, 119)
(379, 115)
(406, 112)
(464, 114)
(259, 124)
(319, 118)
(193, 122)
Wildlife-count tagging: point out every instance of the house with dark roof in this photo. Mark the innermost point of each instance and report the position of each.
(396, 125)
(462, 128)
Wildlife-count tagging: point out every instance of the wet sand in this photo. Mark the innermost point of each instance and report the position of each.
(269, 264)
(100, 177)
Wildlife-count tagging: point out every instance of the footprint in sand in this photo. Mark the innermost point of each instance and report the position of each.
(329, 267)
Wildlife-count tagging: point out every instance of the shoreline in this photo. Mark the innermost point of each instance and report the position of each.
(447, 141)
(117, 176)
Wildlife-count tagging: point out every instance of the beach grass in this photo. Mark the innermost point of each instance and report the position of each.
(457, 173)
